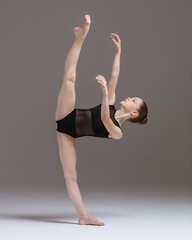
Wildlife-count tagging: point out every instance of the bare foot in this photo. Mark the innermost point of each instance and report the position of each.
(81, 31)
(89, 220)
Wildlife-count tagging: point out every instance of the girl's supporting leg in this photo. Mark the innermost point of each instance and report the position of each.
(68, 156)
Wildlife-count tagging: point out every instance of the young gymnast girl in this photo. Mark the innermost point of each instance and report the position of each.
(100, 121)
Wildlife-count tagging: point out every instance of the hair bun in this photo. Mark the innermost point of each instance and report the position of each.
(144, 121)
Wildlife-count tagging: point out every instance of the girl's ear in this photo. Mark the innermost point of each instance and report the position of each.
(134, 113)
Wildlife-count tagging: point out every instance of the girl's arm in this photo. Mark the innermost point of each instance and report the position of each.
(105, 114)
(114, 131)
(115, 68)
(116, 64)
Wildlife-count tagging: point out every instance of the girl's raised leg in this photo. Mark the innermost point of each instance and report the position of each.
(66, 96)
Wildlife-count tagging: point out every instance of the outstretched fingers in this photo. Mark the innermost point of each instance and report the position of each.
(115, 37)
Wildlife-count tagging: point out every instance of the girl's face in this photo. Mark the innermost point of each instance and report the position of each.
(129, 104)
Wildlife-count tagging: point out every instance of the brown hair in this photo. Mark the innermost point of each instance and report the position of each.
(142, 118)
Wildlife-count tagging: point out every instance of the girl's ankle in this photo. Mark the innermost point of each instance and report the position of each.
(81, 215)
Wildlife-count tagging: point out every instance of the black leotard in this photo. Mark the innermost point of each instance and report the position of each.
(86, 122)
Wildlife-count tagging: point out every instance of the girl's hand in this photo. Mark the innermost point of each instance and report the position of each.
(117, 41)
(103, 84)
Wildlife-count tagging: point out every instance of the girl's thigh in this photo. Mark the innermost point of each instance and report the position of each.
(66, 98)
(68, 154)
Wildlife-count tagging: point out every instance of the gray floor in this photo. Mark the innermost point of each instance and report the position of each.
(130, 212)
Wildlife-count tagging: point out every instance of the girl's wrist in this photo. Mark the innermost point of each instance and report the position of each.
(118, 51)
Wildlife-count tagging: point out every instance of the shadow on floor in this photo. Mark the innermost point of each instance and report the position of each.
(35, 217)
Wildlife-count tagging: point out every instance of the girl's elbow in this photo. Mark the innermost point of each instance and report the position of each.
(119, 136)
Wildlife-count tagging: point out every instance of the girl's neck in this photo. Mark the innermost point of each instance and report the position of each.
(117, 114)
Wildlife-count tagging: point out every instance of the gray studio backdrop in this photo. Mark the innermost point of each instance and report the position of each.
(155, 65)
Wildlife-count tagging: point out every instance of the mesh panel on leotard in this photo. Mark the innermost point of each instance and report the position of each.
(83, 123)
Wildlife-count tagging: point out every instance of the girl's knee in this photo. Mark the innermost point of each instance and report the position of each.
(70, 177)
